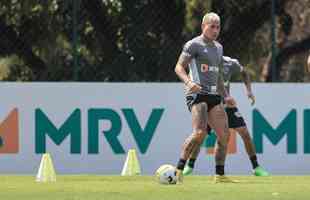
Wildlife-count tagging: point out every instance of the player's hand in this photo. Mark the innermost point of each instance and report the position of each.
(230, 101)
(252, 98)
(193, 87)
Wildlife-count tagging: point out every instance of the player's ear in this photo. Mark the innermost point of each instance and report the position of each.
(203, 26)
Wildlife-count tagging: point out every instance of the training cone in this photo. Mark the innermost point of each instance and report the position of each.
(131, 166)
(46, 171)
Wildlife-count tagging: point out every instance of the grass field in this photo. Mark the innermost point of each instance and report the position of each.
(91, 187)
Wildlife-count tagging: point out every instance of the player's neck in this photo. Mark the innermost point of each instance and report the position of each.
(207, 40)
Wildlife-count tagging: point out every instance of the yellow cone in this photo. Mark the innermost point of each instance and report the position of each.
(131, 166)
(46, 171)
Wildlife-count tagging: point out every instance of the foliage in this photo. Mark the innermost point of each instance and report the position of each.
(138, 40)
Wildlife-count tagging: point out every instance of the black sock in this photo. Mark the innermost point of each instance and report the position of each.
(181, 164)
(219, 170)
(191, 162)
(254, 161)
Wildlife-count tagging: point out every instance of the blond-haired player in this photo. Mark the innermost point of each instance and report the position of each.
(203, 57)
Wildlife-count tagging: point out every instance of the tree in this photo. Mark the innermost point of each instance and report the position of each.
(138, 40)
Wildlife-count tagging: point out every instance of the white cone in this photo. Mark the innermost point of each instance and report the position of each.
(46, 172)
(131, 166)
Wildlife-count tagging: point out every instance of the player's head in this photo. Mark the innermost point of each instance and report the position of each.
(211, 26)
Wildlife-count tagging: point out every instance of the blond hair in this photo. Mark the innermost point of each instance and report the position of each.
(210, 17)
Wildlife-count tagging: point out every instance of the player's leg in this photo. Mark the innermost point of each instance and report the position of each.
(199, 123)
(188, 170)
(218, 120)
(237, 122)
(250, 149)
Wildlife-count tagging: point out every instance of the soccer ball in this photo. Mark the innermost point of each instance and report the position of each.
(166, 174)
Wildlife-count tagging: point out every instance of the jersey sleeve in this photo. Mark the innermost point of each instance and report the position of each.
(234, 65)
(188, 50)
(237, 67)
(221, 55)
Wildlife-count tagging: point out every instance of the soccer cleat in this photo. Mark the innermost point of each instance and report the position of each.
(223, 179)
(187, 170)
(259, 171)
(179, 175)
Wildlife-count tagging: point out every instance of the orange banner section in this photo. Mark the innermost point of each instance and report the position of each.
(9, 133)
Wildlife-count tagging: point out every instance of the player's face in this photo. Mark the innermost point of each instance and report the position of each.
(211, 30)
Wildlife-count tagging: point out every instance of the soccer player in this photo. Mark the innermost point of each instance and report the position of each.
(203, 56)
(235, 119)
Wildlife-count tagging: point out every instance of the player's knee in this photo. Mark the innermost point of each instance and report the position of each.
(200, 135)
(244, 133)
(222, 143)
(226, 130)
(223, 138)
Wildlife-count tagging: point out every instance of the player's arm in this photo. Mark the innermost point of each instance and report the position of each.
(245, 77)
(229, 100)
(247, 82)
(221, 87)
(182, 65)
(220, 82)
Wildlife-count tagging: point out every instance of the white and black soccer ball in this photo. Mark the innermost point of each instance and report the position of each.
(166, 174)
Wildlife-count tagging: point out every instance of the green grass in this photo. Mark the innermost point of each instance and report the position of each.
(91, 187)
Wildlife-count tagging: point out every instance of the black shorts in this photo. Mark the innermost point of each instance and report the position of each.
(211, 100)
(235, 119)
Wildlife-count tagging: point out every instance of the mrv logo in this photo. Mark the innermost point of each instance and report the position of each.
(72, 127)
(287, 127)
(262, 129)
